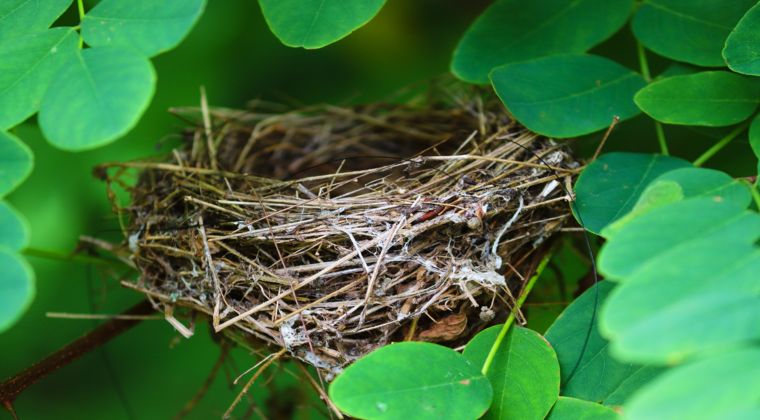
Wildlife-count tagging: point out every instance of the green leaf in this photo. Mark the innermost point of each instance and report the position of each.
(524, 374)
(16, 288)
(567, 95)
(412, 379)
(16, 162)
(742, 50)
(710, 98)
(568, 408)
(754, 138)
(27, 65)
(589, 372)
(97, 97)
(662, 232)
(316, 23)
(610, 186)
(681, 184)
(713, 388)
(26, 16)
(688, 30)
(14, 229)
(150, 26)
(510, 31)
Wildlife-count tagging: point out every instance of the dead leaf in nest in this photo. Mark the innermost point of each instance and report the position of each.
(446, 329)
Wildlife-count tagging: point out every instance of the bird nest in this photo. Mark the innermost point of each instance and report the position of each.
(330, 231)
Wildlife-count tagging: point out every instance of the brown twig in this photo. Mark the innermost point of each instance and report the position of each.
(15, 385)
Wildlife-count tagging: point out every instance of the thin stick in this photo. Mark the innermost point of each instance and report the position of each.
(250, 382)
(69, 315)
(206, 383)
(599, 148)
(15, 385)
(511, 319)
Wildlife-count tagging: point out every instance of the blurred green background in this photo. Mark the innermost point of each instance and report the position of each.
(232, 53)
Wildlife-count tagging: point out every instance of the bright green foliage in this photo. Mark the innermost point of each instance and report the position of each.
(711, 98)
(567, 95)
(316, 23)
(688, 30)
(589, 372)
(412, 379)
(754, 139)
(722, 386)
(524, 374)
(568, 408)
(659, 233)
(97, 97)
(27, 65)
(14, 229)
(679, 184)
(742, 50)
(149, 26)
(16, 287)
(610, 186)
(510, 31)
(16, 162)
(19, 17)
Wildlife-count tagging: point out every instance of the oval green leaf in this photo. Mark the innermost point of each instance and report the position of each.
(16, 288)
(713, 388)
(524, 374)
(589, 372)
(26, 16)
(709, 98)
(683, 183)
(16, 162)
(742, 50)
(29, 63)
(687, 30)
(316, 23)
(510, 31)
(150, 26)
(610, 186)
(662, 232)
(97, 97)
(14, 229)
(412, 379)
(568, 408)
(567, 95)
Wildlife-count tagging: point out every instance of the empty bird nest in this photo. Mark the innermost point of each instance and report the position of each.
(327, 232)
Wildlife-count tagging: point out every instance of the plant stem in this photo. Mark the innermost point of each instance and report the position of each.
(753, 187)
(14, 386)
(80, 8)
(717, 147)
(511, 319)
(57, 255)
(644, 64)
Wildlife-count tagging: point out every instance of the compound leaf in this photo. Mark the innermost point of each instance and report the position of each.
(717, 387)
(742, 50)
(589, 372)
(610, 186)
(709, 98)
(510, 31)
(568, 408)
(98, 96)
(567, 95)
(687, 30)
(149, 26)
(16, 287)
(14, 229)
(27, 16)
(423, 380)
(316, 23)
(524, 374)
(28, 63)
(16, 162)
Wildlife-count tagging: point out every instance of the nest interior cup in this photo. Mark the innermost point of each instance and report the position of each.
(330, 231)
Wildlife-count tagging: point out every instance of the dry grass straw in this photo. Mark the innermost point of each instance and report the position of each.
(330, 231)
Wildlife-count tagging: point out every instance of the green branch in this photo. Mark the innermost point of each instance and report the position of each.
(644, 64)
(717, 147)
(511, 319)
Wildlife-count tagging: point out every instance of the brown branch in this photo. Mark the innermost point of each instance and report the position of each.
(14, 386)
